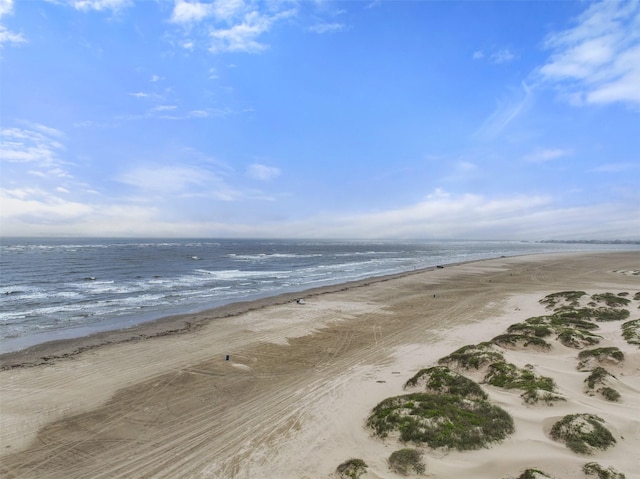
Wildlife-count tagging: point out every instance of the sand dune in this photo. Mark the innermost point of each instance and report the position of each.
(301, 380)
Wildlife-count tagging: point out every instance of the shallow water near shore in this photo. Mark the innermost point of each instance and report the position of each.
(64, 288)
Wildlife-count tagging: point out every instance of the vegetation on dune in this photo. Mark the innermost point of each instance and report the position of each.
(406, 461)
(610, 394)
(612, 354)
(564, 319)
(352, 468)
(597, 378)
(517, 340)
(610, 299)
(441, 420)
(529, 329)
(534, 474)
(582, 433)
(631, 331)
(577, 338)
(535, 388)
(610, 314)
(441, 380)
(473, 356)
(636, 296)
(571, 297)
(595, 469)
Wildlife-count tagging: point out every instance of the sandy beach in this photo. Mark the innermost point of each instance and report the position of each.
(277, 389)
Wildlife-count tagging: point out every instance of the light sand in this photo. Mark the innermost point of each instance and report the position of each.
(293, 399)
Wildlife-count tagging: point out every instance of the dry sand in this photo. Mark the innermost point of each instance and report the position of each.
(293, 399)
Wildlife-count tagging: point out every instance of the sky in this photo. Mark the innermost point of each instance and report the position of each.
(354, 119)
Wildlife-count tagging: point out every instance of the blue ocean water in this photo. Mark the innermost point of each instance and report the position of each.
(61, 288)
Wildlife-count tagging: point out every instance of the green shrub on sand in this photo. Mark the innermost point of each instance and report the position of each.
(406, 461)
(610, 299)
(509, 376)
(595, 469)
(529, 329)
(582, 433)
(631, 331)
(570, 297)
(610, 314)
(442, 380)
(473, 356)
(351, 468)
(441, 420)
(599, 355)
(534, 474)
(520, 340)
(577, 338)
(597, 377)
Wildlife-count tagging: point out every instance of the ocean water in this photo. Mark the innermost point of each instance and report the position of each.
(62, 288)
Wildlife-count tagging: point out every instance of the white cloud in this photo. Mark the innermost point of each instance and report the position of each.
(502, 56)
(598, 59)
(7, 36)
(227, 9)
(478, 54)
(615, 167)
(37, 145)
(100, 5)
(170, 179)
(140, 94)
(542, 155)
(39, 205)
(190, 12)
(262, 172)
(507, 110)
(164, 108)
(241, 37)
(327, 27)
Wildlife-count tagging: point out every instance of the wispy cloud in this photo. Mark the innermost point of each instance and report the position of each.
(327, 27)
(262, 172)
(598, 59)
(615, 167)
(100, 5)
(7, 36)
(244, 35)
(189, 12)
(507, 110)
(503, 55)
(542, 155)
(228, 25)
(38, 145)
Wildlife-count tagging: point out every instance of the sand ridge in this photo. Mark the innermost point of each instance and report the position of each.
(301, 380)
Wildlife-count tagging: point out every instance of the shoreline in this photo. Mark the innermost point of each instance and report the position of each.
(292, 399)
(52, 350)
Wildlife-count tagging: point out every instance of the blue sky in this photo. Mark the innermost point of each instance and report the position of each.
(357, 119)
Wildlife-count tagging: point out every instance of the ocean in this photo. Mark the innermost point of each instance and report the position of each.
(64, 288)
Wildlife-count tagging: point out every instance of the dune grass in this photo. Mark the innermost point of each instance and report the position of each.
(610, 299)
(571, 297)
(595, 469)
(582, 433)
(473, 356)
(631, 331)
(406, 461)
(352, 468)
(534, 474)
(599, 354)
(441, 420)
(520, 340)
(442, 380)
